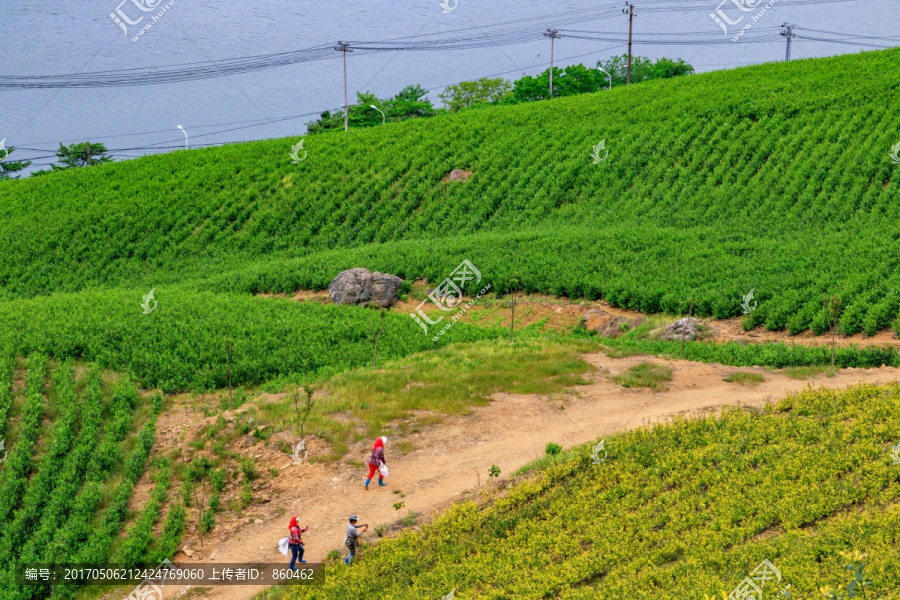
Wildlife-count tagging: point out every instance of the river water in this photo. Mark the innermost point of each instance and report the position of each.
(55, 38)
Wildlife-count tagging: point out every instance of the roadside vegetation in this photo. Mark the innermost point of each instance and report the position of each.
(695, 505)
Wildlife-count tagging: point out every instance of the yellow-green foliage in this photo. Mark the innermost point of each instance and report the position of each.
(675, 512)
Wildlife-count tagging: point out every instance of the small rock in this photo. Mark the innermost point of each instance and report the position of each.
(685, 328)
(459, 175)
(607, 325)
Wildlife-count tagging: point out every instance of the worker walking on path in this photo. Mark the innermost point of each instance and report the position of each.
(376, 462)
(352, 541)
(296, 542)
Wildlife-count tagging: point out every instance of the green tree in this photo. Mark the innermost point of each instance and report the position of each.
(644, 69)
(568, 81)
(9, 167)
(486, 90)
(85, 154)
(411, 102)
(665, 68)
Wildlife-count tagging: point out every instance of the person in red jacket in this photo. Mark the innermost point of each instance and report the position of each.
(376, 461)
(296, 542)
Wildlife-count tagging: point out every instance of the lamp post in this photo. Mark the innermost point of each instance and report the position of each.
(383, 118)
(608, 75)
(185, 136)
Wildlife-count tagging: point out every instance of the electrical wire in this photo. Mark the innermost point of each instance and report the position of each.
(138, 76)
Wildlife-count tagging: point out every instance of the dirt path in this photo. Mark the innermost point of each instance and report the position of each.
(510, 432)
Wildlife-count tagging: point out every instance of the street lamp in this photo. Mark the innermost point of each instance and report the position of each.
(383, 118)
(608, 75)
(185, 136)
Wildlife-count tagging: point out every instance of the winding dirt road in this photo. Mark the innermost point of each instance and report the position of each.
(510, 432)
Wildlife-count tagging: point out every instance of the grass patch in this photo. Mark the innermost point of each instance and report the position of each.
(621, 352)
(419, 390)
(646, 375)
(808, 372)
(745, 378)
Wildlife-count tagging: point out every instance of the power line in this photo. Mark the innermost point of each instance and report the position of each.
(225, 67)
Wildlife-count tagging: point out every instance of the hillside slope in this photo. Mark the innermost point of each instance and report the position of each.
(774, 177)
(685, 510)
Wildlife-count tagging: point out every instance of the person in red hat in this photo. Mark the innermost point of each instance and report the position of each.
(376, 461)
(296, 542)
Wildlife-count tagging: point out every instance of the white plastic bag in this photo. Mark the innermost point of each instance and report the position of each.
(382, 468)
(284, 545)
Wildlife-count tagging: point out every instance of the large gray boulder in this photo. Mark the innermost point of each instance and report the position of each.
(362, 287)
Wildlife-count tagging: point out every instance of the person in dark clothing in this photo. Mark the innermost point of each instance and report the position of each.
(352, 541)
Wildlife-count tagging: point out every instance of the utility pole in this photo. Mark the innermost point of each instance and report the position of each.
(789, 34)
(342, 47)
(553, 34)
(630, 12)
